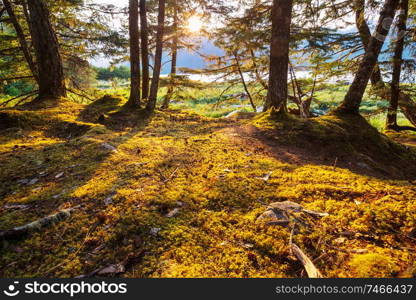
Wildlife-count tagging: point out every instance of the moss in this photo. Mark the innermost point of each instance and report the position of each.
(373, 265)
(214, 172)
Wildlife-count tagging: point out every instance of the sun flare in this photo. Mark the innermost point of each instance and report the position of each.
(195, 24)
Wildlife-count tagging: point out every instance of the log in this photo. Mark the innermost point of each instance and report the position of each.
(310, 268)
(21, 231)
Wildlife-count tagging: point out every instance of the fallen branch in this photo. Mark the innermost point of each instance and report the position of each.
(310, 268)
(37, 225)
(164, 178)
(355, 251)
(80, 94)
(15, 98)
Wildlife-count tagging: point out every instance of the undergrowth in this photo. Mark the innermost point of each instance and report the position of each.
(127, 180)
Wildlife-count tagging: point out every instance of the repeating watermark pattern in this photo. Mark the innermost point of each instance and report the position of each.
(69, 289)
(387, 24)
(12, 290)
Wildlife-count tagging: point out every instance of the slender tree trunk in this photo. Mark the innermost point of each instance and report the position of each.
(406, 104)
(151, 105)
(144, 33)
(365, 35)
(279, 55)
(237, 60)
(352, 100)
(397, 66)
(134, 100)
(174, 50)
(2, 11)
(256, 70)
(48, 58)
(22, 40)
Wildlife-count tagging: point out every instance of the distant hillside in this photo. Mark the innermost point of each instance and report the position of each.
(186, 59)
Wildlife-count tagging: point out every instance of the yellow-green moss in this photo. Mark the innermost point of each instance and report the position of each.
(182, 160)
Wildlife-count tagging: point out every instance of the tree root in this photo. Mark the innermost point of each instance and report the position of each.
(310, 268)
(21, 231)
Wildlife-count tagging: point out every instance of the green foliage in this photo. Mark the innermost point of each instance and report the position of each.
(17, 88)
(110, 73)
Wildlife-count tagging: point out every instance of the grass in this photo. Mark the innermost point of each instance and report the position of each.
(212, 171)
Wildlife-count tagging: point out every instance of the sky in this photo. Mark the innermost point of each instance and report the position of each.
(193, 60)
(186, 59)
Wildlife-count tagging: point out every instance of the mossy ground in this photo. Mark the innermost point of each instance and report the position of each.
(213, 171)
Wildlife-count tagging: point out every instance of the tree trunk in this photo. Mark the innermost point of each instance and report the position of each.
(365, 35)
(406, 104)
(240, 72)
(279, 55)
(397, 66)
(2, 11)
(144, 32)
(158, 57)
(174, 50)
(22, 40)
(48, 58)
(256, 70)
(134, 100)
(352, 100)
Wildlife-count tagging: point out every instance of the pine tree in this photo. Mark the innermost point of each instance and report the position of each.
(151, 105)
(279, 55)
(134, 100)
(48, 57)
(352, 100)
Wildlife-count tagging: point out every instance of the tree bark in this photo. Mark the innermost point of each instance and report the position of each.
(406, 104)
(22, 40)
(365, 35)
(243, 81)
(134, 100)
(48, 58)
(279, 55)
(256, 70)
(352, 100)
(2, 11)
(174, 50)
(151, 105)
(144, 33)
(397, 66)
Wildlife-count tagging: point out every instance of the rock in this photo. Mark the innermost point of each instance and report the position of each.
(269, 217)
(340, 240)
(248, 246)
(173, 213)
(285, 206)
(137, 241)
(16, 206)
(23, 181)
(155, 231)
(231, 114)
(109, 199)
(266, 177)
(363, 165)
(112, 269)
(109, 147)
(33, 181)
(280, 213)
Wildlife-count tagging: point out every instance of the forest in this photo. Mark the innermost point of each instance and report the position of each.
(289, 153)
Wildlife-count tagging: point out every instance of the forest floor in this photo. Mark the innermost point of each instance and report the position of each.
(179, 195)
